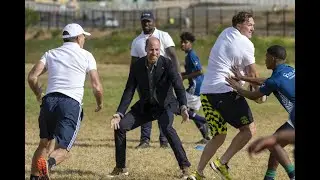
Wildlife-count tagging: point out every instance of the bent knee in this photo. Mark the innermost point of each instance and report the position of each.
(43, 143)
(166, 128)
(249, 130)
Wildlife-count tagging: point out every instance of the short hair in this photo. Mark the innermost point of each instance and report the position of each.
(70, 39)
(187, 36)
(278, 52)
(241, 17)
(147, 41)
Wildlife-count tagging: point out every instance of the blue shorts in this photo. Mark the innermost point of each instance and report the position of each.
(60, 118)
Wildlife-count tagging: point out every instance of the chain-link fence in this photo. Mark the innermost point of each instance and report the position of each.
(204, 19)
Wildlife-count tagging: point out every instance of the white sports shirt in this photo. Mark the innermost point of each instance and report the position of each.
(67, 67)
(139, 43)
(231, 48)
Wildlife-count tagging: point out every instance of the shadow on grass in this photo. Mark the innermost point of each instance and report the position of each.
(69, 172)
(104, 142)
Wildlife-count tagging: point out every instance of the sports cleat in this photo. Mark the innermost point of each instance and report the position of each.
(117, 172)
(195, 176)
(268, 178)
(185, 173)
(221, 169)
(43, 169)
(292, 175)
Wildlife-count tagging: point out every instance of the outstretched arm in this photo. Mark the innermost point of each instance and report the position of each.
(250, 79)
(248, 94)
(268, 142)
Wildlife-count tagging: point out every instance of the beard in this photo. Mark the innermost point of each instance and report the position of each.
(152, 59)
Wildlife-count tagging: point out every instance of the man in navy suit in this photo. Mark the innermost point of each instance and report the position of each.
(156, 77)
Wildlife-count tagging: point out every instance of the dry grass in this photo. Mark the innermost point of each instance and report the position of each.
(93, 154)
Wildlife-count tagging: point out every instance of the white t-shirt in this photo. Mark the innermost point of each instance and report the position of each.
(139, 43)
(231, 48)
(67, 67)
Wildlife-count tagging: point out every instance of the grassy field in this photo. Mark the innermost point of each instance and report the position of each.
(114, 47)
(93, 154)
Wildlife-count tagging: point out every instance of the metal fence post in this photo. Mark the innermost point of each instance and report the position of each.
(168, 16)
(207, 20)
(193, 20)
(40, 14)
(123, 19)
(49, 20)
(57, 20)
(103, 19)
(180, 19)
(84, 18)
(92, 18)
(134, 19)
(284, 22)
(221, 16)
(267, 23)
(65, 18)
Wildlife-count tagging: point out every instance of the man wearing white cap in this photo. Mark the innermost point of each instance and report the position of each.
(61, 106)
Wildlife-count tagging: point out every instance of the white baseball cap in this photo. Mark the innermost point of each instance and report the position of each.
(74, 30)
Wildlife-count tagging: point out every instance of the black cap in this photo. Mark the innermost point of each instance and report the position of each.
(147, 15)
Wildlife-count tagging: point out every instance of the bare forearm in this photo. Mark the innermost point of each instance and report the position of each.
(33, 77)
(191, 75)
(253, 80)
(286, 136)
(249, 94)
(98, 94)
(34, 85)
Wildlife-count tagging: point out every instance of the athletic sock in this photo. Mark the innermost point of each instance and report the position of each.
(271, 173)
(290, 170)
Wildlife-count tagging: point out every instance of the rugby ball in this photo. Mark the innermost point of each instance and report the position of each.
(259, 100)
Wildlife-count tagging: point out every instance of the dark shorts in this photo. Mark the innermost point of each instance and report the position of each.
(60, 118)
(223, 108)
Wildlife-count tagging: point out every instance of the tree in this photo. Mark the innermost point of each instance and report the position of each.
(31, 17)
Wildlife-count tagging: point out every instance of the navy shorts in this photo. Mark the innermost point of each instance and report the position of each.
(60, 118)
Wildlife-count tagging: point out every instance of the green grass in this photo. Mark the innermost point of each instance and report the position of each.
(115, 47)
(93, 154)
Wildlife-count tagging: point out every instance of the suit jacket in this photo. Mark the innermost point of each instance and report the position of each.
(166, 79)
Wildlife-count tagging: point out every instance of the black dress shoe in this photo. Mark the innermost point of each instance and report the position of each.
(164, 145)
(143, 145)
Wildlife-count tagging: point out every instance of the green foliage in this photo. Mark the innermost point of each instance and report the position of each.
(115, 47)
(56, 33)
(31, 17)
